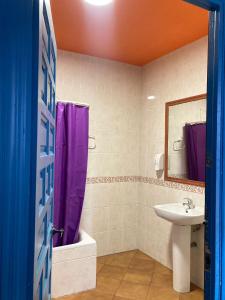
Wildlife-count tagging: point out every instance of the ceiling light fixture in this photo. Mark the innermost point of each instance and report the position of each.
(99, 2)
(151, 97)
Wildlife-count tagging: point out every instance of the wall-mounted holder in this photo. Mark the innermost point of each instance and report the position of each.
(92, 147)
(178, 145)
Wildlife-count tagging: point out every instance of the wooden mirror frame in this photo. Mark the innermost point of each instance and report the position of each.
(168, 105)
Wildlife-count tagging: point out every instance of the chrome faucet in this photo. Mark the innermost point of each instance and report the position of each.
(189, 203)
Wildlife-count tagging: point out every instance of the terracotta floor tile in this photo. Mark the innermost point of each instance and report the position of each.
(156, 293)
(132, 291)
(142, 255)
(99, 267)
(97, 295)
(112, 272)
(107, 285)
(137, 276)
(197, 294)
(142, 264)
(101, 259)
(131, 252)
(121, 259)
(159, 268)
(119, 298)
(162, 280)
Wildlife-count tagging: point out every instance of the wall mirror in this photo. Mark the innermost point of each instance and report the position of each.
(185, 140)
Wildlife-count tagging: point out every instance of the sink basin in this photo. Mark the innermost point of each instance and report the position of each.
(182, 220)
(176, 213)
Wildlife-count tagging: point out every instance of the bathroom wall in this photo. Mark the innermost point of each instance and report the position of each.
(122, 185)
(178, 75)
(113, 92)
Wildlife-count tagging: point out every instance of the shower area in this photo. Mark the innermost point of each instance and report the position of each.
(74, 254)
(96, 167)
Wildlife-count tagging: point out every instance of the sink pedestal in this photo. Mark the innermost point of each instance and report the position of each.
(182, 220)
(181, 258)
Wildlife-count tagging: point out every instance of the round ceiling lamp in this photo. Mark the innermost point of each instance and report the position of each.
(99, 2)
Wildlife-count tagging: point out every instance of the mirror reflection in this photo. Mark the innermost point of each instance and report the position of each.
(186, 140)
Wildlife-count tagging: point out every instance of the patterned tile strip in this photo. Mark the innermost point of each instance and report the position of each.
(148, 180)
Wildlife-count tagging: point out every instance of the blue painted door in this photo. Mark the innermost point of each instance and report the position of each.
(45, 155)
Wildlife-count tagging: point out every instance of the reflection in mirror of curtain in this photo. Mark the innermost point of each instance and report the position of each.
(186, 140)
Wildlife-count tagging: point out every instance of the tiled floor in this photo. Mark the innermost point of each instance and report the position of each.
(133, 275)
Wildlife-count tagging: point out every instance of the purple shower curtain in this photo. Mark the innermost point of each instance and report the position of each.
(71, 156)
(195, 136)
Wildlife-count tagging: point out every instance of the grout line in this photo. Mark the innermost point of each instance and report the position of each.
(117, 288)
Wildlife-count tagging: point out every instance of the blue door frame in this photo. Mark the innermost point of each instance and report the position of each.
(18, 140)
(215, 162)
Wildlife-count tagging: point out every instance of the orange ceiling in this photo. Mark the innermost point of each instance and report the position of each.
(131, 31)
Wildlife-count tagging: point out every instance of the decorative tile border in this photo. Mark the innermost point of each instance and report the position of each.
(174, 185)
(148, 180)
(113, 179)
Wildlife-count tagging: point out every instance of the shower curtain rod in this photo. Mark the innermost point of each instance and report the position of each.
(75, 103)
(195, 123)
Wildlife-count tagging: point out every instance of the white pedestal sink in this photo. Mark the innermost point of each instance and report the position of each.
(182, 220)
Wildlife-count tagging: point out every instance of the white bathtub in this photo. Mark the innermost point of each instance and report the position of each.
(74, 267)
